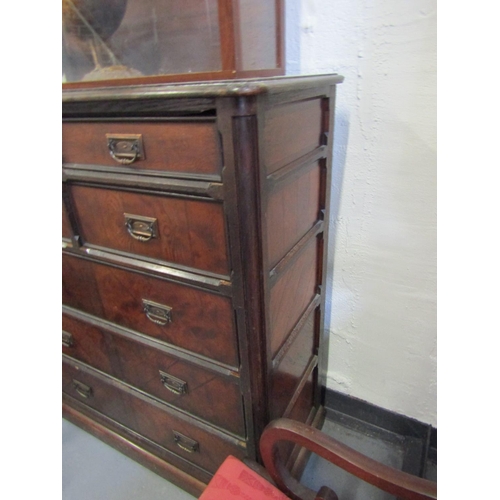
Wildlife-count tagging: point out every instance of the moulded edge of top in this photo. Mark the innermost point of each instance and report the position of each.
(221, 88)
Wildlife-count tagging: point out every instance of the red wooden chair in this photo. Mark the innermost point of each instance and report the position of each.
(235, 480)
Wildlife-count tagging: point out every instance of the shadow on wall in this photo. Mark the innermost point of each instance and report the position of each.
(384, 341)
(341, 138)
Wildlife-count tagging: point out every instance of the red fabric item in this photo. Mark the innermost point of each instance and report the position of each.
(234, 480)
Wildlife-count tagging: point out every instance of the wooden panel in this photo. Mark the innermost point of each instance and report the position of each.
(290, 131)
(201, 322)
(286, 376)
(88, 344)
(291, 211)
(291, 295)
(66, 226)
(101, 397)
(189, 232)
(141, 365)
(187, 147)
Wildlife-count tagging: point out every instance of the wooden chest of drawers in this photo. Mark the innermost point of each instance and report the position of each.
(193, 248)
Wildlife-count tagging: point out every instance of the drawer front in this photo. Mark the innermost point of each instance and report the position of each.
(185, 385)
(165, 376)
(86, 388)
(186, 232)
(199, 444)
(195, 320)
(183, 146)
(87, 343)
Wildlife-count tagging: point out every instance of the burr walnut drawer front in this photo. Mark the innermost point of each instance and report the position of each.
(184, 384)
(79, 384)
(200, 444)
(187, 232)
(186, 437)
(187, 317)
(87, 343)
(182, 146)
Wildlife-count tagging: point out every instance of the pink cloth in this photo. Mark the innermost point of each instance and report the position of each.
(234, 480)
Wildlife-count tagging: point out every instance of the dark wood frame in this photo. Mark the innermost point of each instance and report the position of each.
(230, 55)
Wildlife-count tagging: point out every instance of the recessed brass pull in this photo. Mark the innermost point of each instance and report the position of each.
(185, 443)
(125, 148)
(157, 313)
(173, 384)
(67, 339)
(141, 228)
(84, 390)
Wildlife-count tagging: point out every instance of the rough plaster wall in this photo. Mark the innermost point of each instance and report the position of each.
(383, 225)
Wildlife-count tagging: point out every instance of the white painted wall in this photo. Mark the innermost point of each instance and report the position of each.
(383, 228)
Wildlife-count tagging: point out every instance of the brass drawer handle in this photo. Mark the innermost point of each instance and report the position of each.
(185, 443)
(157, 313)
(141, 228)
(125, 148)
(84, 390)
(173, 384)
(67, 339)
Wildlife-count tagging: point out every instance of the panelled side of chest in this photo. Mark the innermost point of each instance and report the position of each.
(277, 157)
(295, 168)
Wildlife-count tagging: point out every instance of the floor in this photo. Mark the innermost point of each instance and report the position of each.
(93, 470)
